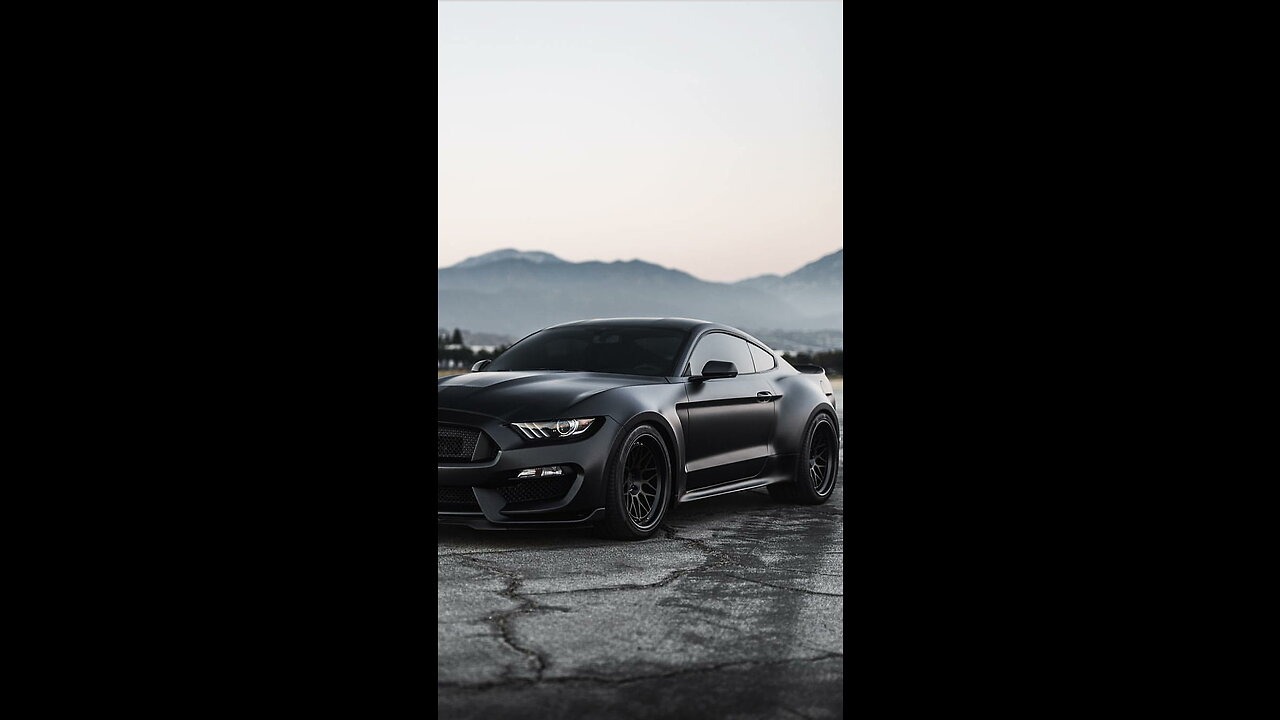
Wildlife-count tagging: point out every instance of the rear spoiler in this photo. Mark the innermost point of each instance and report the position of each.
(818, 370)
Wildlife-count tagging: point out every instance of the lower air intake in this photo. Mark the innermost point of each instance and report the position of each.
(549, 488)
(456, 499)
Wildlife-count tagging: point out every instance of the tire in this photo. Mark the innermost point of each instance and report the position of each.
(637, 486)
(817, 467)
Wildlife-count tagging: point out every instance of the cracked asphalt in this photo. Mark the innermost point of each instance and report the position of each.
(735, 610)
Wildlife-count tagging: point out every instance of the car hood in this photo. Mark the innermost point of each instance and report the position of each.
(522, 396)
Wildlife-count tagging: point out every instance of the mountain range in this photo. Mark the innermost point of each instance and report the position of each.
(517, 292)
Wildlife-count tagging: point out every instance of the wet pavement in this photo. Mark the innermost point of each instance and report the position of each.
(734, 610)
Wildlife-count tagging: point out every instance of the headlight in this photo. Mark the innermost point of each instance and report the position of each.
(554, 428)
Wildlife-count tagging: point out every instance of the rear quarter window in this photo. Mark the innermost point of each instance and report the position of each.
(763, 360)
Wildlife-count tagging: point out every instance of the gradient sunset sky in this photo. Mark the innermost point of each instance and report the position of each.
(703, 136)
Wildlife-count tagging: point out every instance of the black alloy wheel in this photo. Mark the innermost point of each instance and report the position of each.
(817, 468)
(821, 459)
(638, 486)
(642, 483)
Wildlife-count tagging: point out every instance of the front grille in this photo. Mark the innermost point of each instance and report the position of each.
(461, 444)
(550, 488)
(456, 499)
(456, 443)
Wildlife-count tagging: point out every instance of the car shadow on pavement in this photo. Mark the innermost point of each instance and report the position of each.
(457, 539)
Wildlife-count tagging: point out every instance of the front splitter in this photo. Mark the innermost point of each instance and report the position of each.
(479, 522)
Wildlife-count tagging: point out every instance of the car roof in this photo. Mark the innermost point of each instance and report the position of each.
(670, 323)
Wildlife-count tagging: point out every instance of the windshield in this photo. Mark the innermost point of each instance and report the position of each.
(594, 348)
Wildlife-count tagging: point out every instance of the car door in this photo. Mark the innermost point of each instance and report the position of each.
(730, 421)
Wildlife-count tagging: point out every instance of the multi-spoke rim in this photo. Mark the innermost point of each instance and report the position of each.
(822, 458)
(643, 483)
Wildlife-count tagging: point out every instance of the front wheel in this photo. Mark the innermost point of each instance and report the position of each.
(637, 486)
(817, 466)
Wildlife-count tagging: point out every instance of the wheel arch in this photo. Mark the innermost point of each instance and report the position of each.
(675, 449)
(792, 425)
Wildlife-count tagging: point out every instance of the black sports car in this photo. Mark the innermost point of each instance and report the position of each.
(611, 422)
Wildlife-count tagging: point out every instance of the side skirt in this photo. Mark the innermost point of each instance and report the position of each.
(732, 487)
(779, 469)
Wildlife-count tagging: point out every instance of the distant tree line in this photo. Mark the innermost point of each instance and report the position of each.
(831, 360)
(452, 352)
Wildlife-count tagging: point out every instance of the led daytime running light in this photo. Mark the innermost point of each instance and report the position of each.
(554, 428)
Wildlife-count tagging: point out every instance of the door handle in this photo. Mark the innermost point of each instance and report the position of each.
(764, 396)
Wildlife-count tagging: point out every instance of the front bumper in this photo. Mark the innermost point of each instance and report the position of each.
(480, 522)
(582, 504)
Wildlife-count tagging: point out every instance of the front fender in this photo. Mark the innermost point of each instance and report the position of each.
(636, 405)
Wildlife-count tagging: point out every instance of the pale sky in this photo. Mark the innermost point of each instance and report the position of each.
(703, 136)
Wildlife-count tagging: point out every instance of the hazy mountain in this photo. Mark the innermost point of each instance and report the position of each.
(517, 294)
(800, 340)
(500, 255)
(815, 289)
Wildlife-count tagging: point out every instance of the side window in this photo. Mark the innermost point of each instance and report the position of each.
(719, 346)
(764, 361)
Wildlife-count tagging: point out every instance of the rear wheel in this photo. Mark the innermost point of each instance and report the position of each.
(637, 486)
(817, 466)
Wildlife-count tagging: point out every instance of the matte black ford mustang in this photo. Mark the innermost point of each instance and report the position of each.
(611, 422)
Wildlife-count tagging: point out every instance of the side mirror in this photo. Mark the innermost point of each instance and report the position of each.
(716, 369)
(480, 365)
